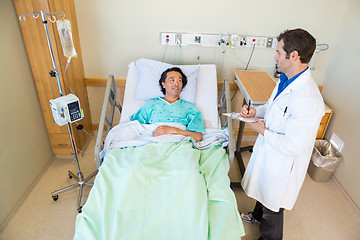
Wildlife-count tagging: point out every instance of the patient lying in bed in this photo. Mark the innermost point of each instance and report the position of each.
(165, 189)
(171, 108)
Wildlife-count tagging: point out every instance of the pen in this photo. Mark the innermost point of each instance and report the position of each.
(249, 106)
(285, 110)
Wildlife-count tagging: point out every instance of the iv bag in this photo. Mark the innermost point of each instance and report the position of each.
(64, 29)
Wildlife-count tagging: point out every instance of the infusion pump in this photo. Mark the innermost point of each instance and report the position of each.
(66, 109)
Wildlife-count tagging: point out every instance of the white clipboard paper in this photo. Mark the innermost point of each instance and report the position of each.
(238, 117)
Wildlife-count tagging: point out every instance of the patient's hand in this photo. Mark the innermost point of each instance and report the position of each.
(163, 130)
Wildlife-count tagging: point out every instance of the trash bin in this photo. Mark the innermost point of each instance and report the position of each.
(324, 161)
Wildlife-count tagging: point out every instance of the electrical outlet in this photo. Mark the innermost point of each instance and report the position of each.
(269, 42)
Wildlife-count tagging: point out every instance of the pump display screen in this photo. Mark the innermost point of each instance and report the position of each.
(74, 111)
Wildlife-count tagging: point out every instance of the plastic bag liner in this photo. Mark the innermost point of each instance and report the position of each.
(325, 155)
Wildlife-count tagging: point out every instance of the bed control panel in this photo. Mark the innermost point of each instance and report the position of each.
(66, 109)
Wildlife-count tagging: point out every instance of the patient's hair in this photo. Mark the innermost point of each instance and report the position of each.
(164, 75)
(298, 40)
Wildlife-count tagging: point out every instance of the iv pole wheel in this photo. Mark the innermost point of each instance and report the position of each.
(80, 209)
(55, 198)
(70, 176)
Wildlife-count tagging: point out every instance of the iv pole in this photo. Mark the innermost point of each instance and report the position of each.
(81, 182)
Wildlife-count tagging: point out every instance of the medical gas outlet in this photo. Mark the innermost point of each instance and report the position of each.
(66, 109)
(169, 39)
(262, 42)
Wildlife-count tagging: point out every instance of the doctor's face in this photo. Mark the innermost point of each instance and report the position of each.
(281, 58)
(173, 83)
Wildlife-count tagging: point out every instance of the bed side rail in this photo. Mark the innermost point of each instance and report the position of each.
(225, 106)
(107, 116)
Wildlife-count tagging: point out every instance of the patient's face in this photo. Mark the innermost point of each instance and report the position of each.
(173, 84)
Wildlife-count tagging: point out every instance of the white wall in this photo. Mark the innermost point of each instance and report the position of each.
(24, 145)
(341, 91)
(114, 33)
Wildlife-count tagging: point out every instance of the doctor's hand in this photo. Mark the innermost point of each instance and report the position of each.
(258, 126)
(247, 113)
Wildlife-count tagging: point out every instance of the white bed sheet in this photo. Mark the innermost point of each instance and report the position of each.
(206, 95)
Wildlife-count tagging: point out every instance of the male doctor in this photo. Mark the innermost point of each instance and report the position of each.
(282, 151)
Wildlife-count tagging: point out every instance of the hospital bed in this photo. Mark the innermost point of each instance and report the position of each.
(168, 188)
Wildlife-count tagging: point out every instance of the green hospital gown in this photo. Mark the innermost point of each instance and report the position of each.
(157, 110)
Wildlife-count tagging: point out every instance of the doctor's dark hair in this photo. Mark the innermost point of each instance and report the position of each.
(164, 75)
(298, 40)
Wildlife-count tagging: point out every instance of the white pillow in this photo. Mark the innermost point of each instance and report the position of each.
(149, 73)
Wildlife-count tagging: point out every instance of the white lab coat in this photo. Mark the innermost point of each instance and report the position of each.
(280, 158)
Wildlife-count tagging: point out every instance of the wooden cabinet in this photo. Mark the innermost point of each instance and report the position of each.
(41, 64)
(324, 122)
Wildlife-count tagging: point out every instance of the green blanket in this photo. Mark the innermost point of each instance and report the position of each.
(161, 191)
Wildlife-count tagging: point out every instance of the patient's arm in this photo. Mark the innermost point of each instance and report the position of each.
(163, 130)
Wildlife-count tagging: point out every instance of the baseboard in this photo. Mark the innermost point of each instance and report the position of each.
(22, 199)
(345, 195)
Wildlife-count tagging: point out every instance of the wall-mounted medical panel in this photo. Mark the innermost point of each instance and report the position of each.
(216, 39)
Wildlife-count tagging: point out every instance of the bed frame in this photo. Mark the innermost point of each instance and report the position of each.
(107, 117)
(225, 107)
(108, 110)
